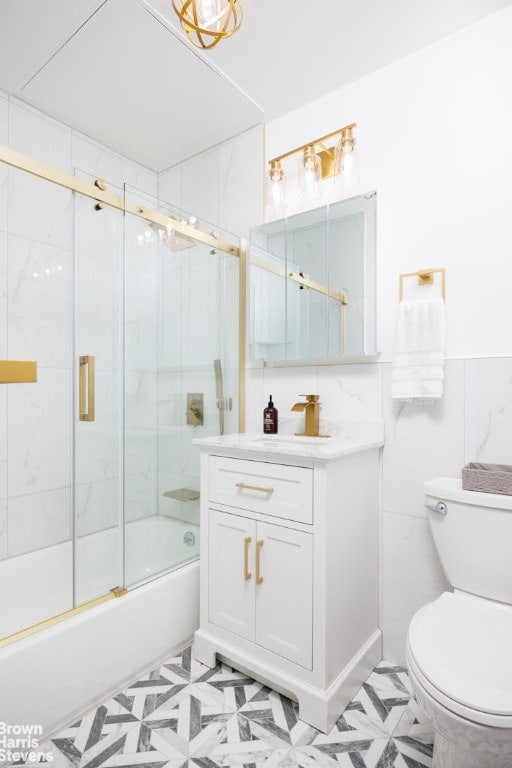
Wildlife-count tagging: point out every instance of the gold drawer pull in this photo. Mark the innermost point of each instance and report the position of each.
(246, 487)
(259, 579)
(247, 573)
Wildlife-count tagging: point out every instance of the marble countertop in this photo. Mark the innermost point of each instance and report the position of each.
(337, 440)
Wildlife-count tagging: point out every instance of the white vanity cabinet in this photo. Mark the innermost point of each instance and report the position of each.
(289, 571)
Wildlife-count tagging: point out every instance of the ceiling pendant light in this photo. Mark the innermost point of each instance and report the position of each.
(206, 22)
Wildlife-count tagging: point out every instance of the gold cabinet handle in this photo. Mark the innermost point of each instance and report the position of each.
(246, 487)
(247, 573)
(86, 388)
(259, 578)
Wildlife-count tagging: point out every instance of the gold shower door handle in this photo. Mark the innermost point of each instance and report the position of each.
(86, 388)
(259, 578)
(247, 573)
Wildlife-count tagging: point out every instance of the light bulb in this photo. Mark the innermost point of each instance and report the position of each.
(345, 161)
(309, 173)
(206, 10)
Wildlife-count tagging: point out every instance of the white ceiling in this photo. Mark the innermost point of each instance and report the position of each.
(122, 72)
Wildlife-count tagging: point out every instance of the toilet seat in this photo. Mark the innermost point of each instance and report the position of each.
(459, 650)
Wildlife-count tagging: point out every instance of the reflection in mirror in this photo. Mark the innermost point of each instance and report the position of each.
(312, 284)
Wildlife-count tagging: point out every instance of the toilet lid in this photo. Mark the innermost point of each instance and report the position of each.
(463, 646)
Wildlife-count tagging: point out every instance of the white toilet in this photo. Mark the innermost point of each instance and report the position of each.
(459, 648)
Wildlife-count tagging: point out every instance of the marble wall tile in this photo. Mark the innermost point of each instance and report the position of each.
(94, 159)
(4, 490)
(350, 392)
(254, 396)
(142, 179)
(141, 490)
(421, 442)
(98, 443)
(98, 329)
(39, 136)
(235, 174)
(412, 577)
(169, 481)
(39, 302)
(286, 385)
(200, 185)
(169, 186)
(39, 520)
(3, 294)
(39, 428)
(4, 171)
(488, 410)
(98, 506)
(38, 209)
(3, 529)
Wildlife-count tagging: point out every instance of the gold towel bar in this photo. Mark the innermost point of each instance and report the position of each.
(425, 277)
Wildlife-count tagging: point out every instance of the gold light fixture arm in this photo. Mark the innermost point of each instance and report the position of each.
(317, 142)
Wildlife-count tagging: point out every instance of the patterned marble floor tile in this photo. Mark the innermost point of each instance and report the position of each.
(233, 688)
(188, 721)
(185, 715)
(185, 666)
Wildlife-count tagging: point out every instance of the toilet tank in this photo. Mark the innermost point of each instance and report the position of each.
(473, 537)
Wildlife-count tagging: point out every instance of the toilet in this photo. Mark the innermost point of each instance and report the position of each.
(459, 647)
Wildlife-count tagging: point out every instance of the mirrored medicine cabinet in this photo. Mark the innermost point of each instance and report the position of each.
(312, 284)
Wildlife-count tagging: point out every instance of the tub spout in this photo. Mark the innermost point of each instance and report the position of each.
(312, 414)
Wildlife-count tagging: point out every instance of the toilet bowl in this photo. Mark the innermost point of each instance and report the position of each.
(459, 647)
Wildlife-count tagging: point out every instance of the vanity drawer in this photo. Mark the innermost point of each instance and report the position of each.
(277, 490)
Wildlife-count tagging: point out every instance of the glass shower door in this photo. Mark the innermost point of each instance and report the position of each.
(98, 412)
(182, 375)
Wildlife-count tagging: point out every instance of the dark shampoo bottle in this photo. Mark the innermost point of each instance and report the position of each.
(270, 418)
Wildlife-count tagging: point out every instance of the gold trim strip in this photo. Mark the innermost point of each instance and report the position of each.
(305, 281)
(68, 181)
(18, 371)
(23, 633)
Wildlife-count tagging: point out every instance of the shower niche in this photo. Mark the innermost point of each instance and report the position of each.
(312, 284)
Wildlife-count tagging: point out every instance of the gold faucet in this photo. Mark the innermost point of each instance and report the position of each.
(312, 409)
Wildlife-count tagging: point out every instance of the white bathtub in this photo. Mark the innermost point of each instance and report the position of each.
(52, 676)
(38, 585)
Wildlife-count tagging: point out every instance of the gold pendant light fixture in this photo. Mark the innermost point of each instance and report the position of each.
(206, 22)
(317, 161)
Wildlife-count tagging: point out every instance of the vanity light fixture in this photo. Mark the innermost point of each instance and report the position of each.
(206, 22)
(317, 161)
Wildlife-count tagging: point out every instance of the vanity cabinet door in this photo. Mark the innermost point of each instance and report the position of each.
(284, 594)
(231, 548)
(260, 584)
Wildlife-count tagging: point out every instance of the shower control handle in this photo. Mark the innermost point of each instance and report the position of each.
(441, 508)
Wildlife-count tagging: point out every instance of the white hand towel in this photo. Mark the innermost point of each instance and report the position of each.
(417, 374)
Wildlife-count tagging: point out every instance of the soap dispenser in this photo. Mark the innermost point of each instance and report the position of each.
(270, 418)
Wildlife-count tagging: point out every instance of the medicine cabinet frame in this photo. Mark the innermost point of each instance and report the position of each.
(312, 285)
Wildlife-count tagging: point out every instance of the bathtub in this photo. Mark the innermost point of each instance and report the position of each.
(50, 677)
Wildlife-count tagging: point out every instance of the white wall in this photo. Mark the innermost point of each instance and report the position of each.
(434, 140)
